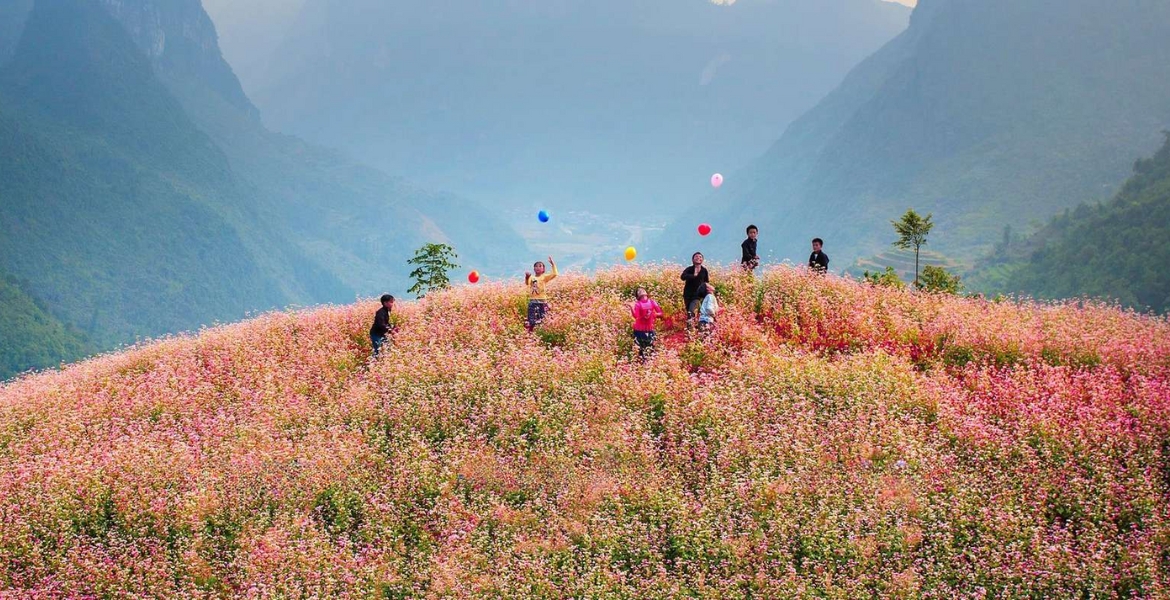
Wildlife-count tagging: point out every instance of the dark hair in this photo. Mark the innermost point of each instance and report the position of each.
(539, 262)
(387, 298)
(751, 227)
(819, 241)
(696, 254)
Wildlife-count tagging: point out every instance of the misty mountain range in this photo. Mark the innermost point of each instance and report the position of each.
(143, 196)
(988, 114)
(623, 106)
(143, 191)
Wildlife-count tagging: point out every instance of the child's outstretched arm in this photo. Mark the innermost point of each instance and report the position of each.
(554, 268)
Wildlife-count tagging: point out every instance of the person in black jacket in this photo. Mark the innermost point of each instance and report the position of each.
(382, 326)
(818, 261)
(696, 279)
(750, 259)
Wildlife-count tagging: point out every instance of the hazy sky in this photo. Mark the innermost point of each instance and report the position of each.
(279, 4)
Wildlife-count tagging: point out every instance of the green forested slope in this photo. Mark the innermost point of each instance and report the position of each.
(115, 201)
(30, 336)
(140, 194)
(1116, 250)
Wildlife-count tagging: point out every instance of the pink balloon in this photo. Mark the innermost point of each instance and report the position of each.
(716, 180)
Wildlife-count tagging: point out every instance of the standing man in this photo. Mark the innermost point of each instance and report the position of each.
(537, 292)
(750, 259)
(382, 326)
(696, 279)
(818, 261)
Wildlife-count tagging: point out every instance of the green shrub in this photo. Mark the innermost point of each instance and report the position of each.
(552, 338)
(938, 280)
(694, 355)
(958, 356)
(340, 513)
(656, 414)
(889, 278)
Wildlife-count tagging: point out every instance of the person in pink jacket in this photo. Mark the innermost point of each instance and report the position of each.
(644, 311)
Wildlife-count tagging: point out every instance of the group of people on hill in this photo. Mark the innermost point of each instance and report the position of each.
(699, 298)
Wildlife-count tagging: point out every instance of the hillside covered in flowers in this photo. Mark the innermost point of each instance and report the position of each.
(829, 439)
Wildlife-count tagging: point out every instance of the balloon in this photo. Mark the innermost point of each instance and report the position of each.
(543, 216)
(473, 277)
(704, 229)
(716, 180)
(631, 253)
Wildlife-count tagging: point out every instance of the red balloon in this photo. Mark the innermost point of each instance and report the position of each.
(704, 229)
(473, 277)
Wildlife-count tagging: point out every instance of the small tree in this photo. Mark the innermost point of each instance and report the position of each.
(432, 261)
(912, 230)
(937, 279)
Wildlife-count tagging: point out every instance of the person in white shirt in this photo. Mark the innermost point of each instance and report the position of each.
(709, 309)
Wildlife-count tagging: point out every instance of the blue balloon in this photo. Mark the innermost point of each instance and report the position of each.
(543, 216)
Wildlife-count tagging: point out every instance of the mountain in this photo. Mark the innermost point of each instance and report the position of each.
(620, 106)
(30, 336)
(142, 195)
(121, 214)
(986, 114)
(1114, 250)
(359, 222)
(827, 439)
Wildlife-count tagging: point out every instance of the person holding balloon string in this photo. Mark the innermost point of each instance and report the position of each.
(537, 283)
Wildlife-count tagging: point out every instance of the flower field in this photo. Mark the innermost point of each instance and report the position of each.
(828, 440)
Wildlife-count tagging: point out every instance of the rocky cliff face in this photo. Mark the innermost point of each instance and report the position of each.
(181, 42)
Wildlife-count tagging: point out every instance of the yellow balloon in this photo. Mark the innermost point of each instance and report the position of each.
(631, 253)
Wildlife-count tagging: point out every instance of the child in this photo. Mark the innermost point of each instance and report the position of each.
(382, 326)
(708, 310)
(750, 259)
(537, 295)
(644, 312)
(818, 261)
(695, 277)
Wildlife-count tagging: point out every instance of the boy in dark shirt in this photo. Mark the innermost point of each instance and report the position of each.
(818, 261)
(750, 259)
(696, 279)
(382, 326)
